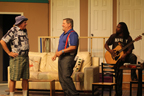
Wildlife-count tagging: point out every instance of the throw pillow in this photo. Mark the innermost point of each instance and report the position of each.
(43, 61)
(87, 62)
(78, 65)
(34, 62)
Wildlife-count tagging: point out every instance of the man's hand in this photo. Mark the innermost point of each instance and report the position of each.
(12, 54)
(113, 53)
(54, 58)
(58, 53)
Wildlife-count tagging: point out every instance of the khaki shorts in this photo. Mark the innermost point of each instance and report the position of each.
(19, 68)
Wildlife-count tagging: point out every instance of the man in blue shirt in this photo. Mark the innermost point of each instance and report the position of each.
(67, 50)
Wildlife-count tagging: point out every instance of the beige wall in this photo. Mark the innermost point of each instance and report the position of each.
(39, 17)
(114, 15)
(39, 21)
(84, 22)
(37, 13)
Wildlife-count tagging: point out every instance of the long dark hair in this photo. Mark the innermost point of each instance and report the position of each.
(124, 29)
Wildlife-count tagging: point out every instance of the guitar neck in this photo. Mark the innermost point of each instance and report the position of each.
(126, 46)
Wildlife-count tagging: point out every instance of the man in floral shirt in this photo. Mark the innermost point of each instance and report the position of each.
(19, 61)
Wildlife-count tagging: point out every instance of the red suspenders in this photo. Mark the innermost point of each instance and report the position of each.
(67, 39)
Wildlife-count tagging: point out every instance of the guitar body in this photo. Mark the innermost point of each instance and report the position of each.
(112, 60)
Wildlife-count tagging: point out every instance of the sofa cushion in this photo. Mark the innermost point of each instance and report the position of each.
(78, 65)
(34, 75)
(78, 76)
(34, 62)
(48, 75)
(52, 65)
(87, 59)
(43, 58)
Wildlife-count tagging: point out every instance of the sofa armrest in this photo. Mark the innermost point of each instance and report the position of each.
(91, 75)
(78, 76)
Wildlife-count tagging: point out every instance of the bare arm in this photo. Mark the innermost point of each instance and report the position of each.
(67, 50)
(54, 57)
(129, 51)
(108, 49)
(4, 45)
(126, 53)
(70, 49)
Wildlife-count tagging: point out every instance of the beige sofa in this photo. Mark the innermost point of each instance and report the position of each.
(85, 72)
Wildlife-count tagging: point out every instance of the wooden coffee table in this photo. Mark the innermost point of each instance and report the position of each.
(52, 85)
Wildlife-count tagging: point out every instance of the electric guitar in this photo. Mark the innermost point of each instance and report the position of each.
(118, 52)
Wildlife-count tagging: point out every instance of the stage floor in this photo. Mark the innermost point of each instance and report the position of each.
(4, 87)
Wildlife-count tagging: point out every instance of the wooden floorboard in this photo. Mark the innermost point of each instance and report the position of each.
(4, 92)
(106, 93)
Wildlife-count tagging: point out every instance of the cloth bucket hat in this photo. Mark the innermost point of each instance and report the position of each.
(19, 19)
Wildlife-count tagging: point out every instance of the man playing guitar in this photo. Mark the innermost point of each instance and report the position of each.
(121, 38)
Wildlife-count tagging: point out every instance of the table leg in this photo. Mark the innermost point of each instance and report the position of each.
(52, 88)
(28, 89)
(28, 92)
(130, 89)
(92, 90)
(110, 90)
(139, 90)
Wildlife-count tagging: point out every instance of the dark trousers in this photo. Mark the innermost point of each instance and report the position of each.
(65, 69)
(118, 73)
